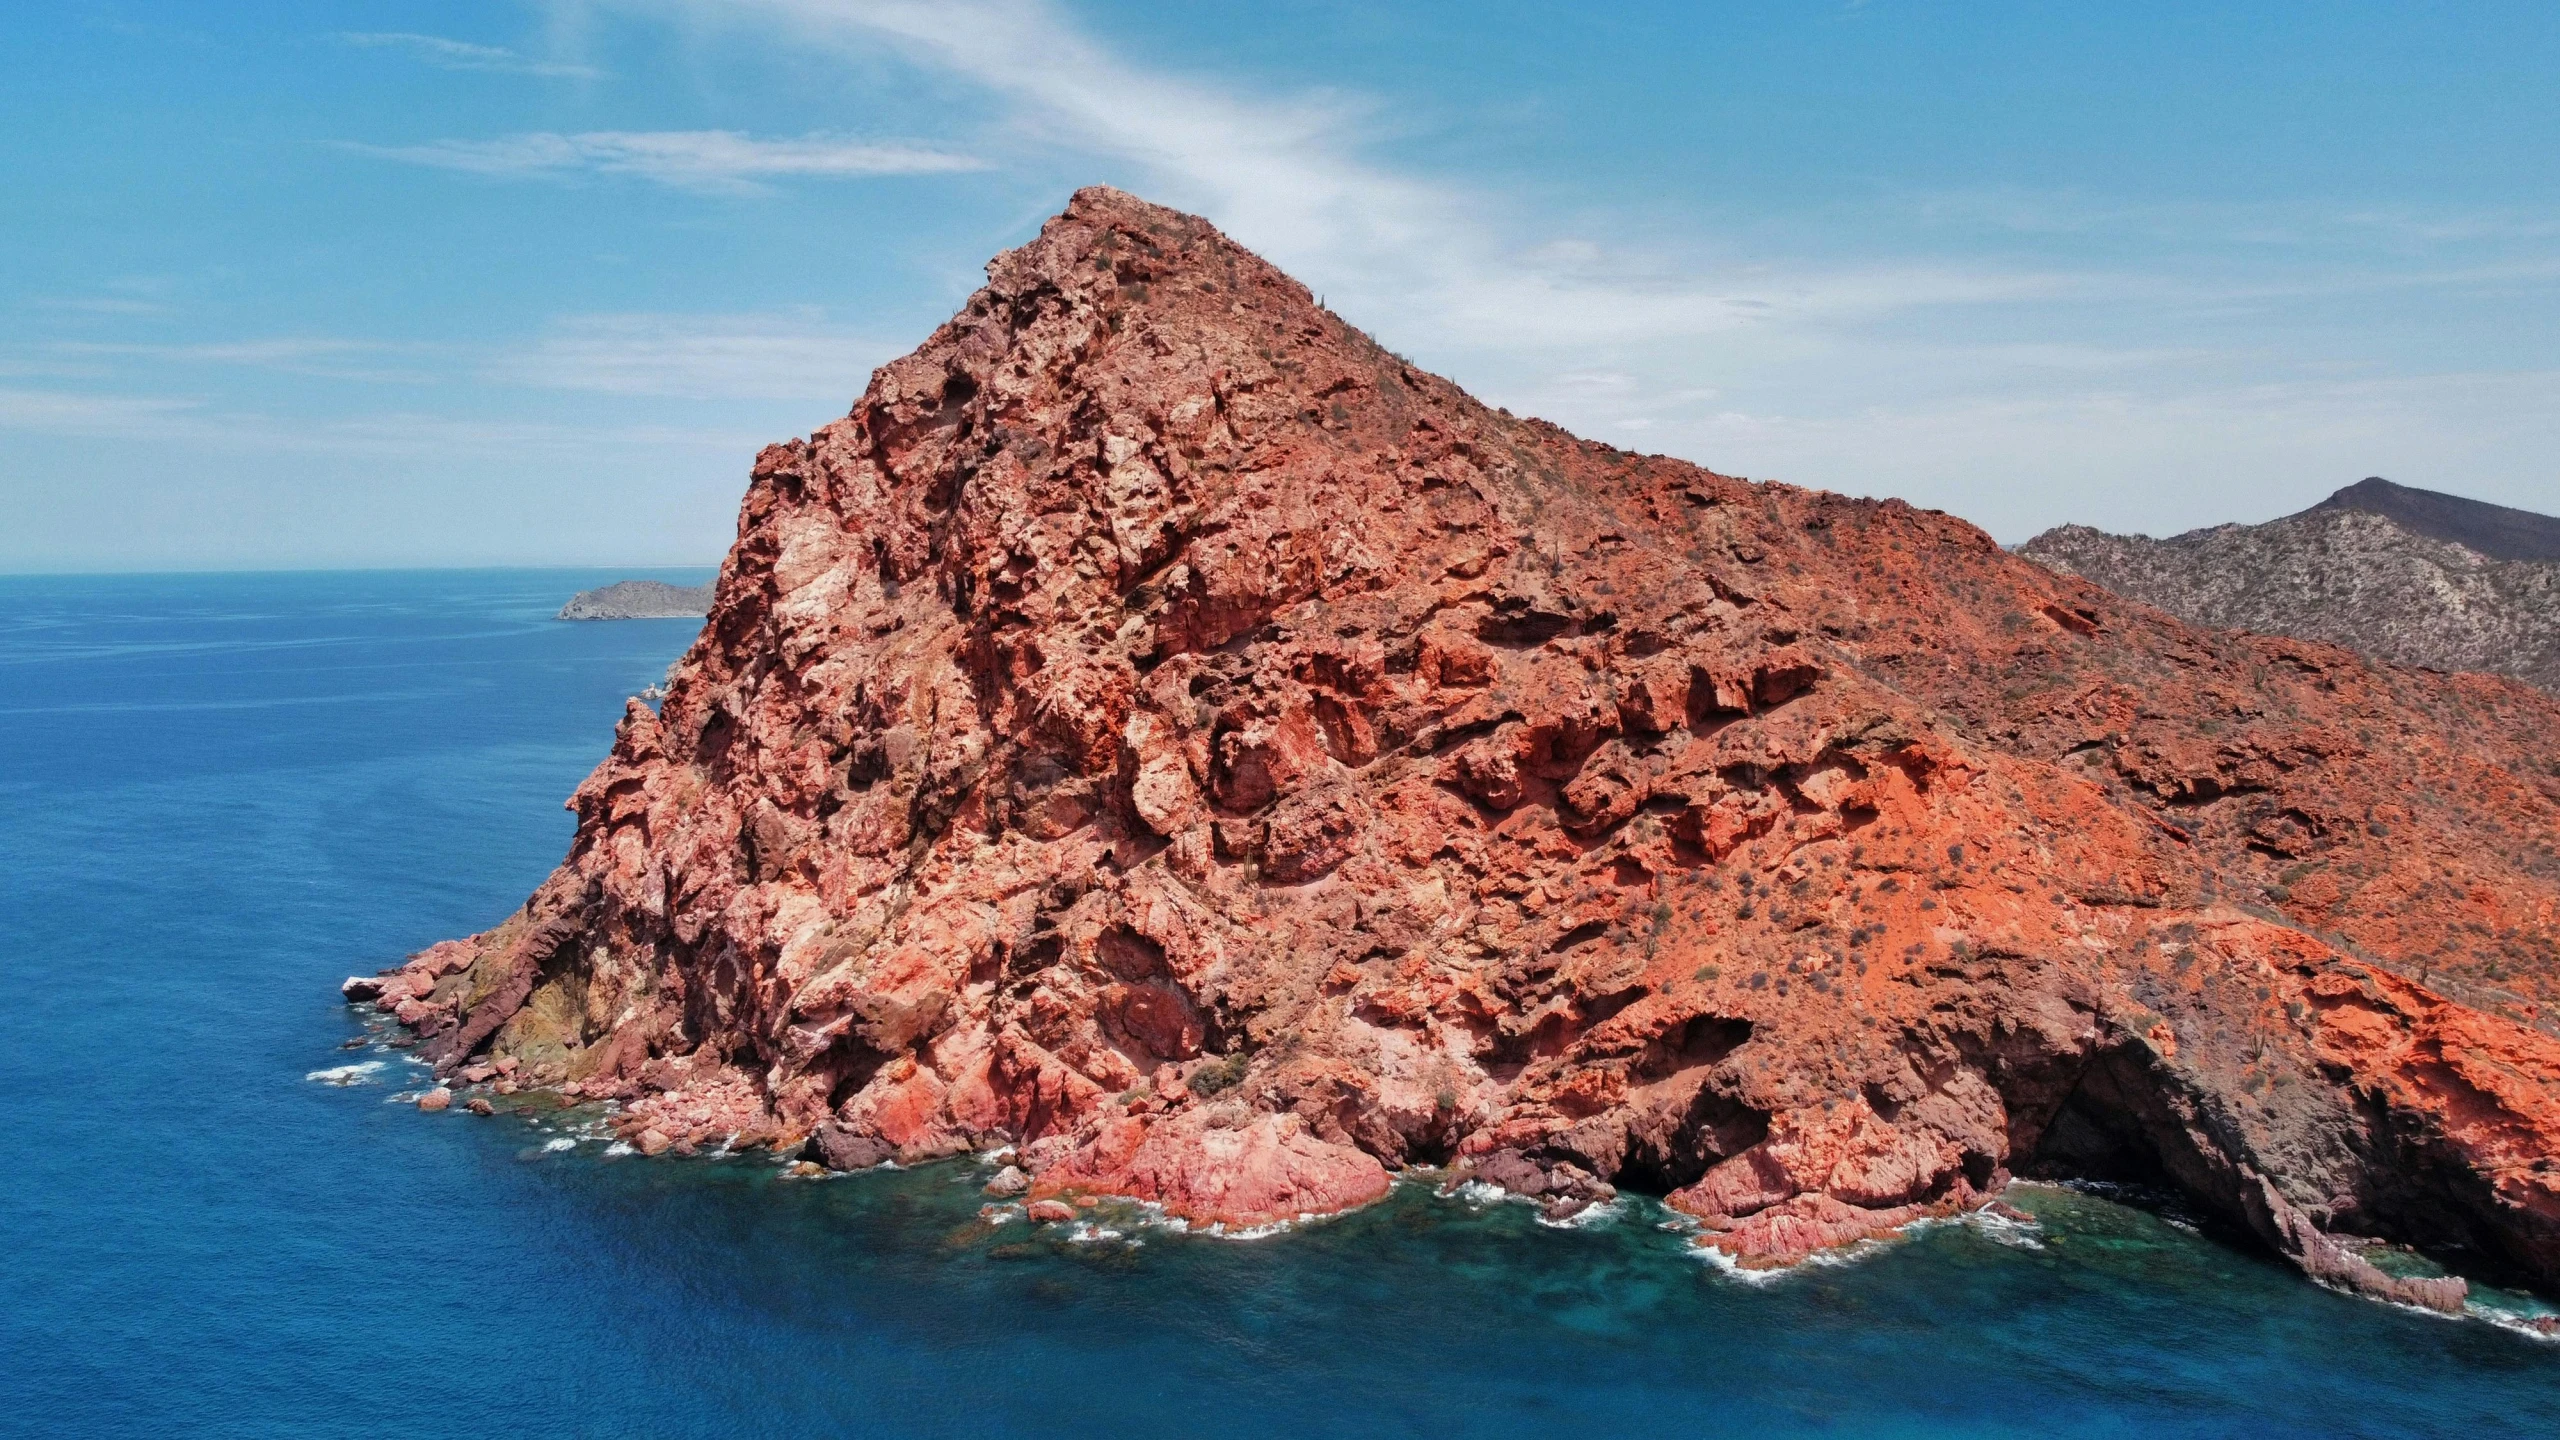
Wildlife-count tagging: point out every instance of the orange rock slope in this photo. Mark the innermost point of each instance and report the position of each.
(1162, 730)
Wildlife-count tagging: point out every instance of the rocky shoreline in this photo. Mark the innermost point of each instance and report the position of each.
(1164, 733)
(1766, 1251)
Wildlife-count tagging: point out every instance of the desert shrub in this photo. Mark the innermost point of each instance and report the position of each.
(1224, 1074)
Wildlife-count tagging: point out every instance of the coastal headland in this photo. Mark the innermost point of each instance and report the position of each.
(1163, 731)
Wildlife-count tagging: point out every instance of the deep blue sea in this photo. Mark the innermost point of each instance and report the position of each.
(221, 794)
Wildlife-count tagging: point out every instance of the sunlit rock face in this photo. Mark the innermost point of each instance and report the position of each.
(1165, 732)
(2347, 576)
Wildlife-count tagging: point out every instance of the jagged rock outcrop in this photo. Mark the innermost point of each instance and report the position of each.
(1165, 732)
(639, 600)
(2403, 575)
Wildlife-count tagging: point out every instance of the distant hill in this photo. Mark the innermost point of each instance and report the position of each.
(639, 600)
(2494, 530)
(2405, 575)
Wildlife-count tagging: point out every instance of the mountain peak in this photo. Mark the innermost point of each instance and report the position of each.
(2497, 531)
(1162, 731)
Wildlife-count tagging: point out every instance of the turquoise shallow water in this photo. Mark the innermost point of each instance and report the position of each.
(219, 795)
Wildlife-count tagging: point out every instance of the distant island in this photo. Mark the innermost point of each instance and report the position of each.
(639, 600)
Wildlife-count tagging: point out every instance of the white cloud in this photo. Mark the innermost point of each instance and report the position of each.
(2018, 391)
(751, 357)
(192, 420)
(319, 356)
(1284, 176)
(786, 357)
(61, 412)
(720, 160)
(2219, 223)
(2135, 386)
(447, 54)
(98, 305)
(763, 357)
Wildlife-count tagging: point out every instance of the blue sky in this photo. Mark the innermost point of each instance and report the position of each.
(379, 284)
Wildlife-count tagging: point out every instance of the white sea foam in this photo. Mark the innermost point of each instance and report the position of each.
(2514, 1320)
(1733, 1269)
(1086, 1233)
(556, 1146)
(2002, 1230)
(360, 1073)
(1151, 1216)
(1221, 1231)
(1837, 1257)
(1481, 1193)
(1589, 1217)
(1270, 1228)
(620, 1147)
(1856, 1251)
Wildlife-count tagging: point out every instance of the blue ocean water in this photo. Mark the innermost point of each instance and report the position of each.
(221, 794)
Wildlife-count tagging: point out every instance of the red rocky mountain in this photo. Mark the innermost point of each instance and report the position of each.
(1163, 731)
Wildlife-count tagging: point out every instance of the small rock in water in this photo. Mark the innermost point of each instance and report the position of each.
(805, 1170)
(354, 1042)
(1051, 1210)
(1009, 1182)
(361, 988)
(652, 1142)
(479, 1106)
(436, 1099)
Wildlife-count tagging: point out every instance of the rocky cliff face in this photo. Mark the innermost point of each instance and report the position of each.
(2352, 576)
(1162, 730)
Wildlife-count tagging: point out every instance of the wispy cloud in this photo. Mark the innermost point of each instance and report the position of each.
(318, 356)
(447, 54)
(2015, 381)
(700, 357)
(723, 160)
(70, 412)
(2216, 224)
(786, 356)
(198, 421)
(99, 305)
(1285, 175)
